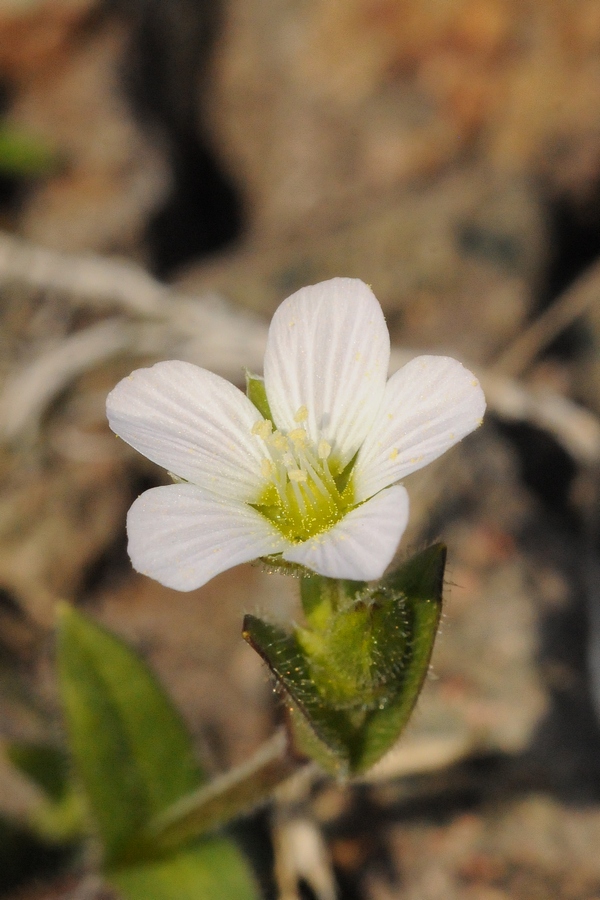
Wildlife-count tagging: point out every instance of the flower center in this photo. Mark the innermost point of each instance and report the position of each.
(302, 496)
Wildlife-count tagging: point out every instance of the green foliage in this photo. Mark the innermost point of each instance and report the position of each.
(24, 155)
(288, 663)
(225, 797)
(134, 760)
(46, 766)
(130, 746)
(214, 870)
(352, 677)
(60, 817)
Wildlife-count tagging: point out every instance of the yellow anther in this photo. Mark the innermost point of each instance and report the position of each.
(280, 442)
(262, 428)
(394, 453)
(301, 415)
(324, 449)
(299, 493)
(298, 436)
(297, 475)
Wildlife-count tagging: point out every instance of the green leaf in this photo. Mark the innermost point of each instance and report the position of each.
(256, 393)
(229, 795)
(45, 765)
(214, 870)
(287, 661)
(421, 577)
(131, 749)
(354, 675)
(307, 743)
(59, 818)
(418, 586)
(24, 155)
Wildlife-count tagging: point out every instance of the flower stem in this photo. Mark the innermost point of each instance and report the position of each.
(227, 796)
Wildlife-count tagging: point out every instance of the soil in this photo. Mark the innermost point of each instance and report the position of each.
(448, 155)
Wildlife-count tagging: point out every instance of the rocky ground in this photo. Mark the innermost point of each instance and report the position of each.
(449, 155)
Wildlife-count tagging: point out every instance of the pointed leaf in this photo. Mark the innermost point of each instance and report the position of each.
(420, 584)
(421, 577)
(354, 677)
(213, 870)
(288, 663)
(45, 765)
(59, 818)
(224, 798)
(307, 743)
(131, 749)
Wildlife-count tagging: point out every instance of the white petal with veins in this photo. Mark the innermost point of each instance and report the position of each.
(362, 544)
(328, 351)
(183, 537)
(429, 405)
(194, 424)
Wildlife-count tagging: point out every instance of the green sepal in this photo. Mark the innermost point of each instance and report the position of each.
(132, 753)
(353, 676)
(256, 393)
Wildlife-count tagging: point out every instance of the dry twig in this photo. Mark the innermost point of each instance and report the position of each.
(570, 306)
(154, 320)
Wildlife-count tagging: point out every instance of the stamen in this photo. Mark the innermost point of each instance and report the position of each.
(324, 449)
(298, 436)
(308, 499)
(332, 486)
(299, 497)
(306, 462)
(279, 480)
(301, 415)
(297, 475)
(262, 428)
(280, 442)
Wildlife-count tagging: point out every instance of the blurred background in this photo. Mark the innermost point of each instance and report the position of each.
(170, 170)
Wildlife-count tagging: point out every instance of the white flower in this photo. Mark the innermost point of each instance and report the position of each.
(317, 482)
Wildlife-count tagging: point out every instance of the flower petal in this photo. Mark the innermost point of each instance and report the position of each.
(362, 544)
(183, 537)
(194, 424)
(429, 405)
(328, 349)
